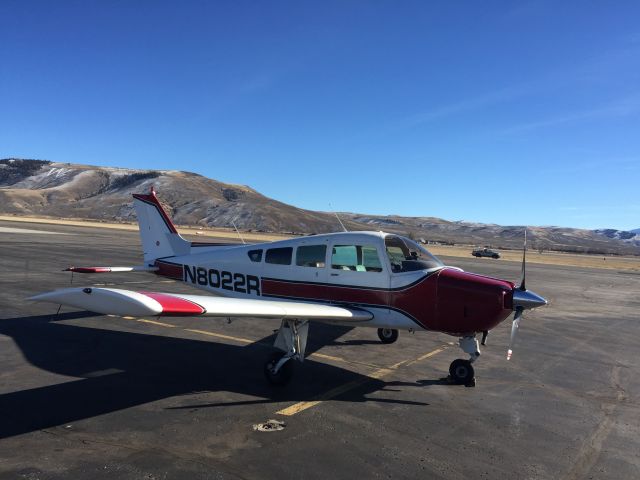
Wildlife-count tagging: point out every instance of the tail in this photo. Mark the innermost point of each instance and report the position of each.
(158, 234)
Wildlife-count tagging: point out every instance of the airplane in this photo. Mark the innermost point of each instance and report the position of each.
(355, 279)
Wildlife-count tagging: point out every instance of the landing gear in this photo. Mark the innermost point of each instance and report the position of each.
(292, 340)
(283, 373)
(461, 371)
(387, 335)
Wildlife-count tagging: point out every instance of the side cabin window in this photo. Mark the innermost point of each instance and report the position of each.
(405, 255)
(358, 258)
(255, 255)
(311, 256)
(279, 256)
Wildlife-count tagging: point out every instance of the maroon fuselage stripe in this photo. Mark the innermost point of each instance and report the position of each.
(449, 301)
(169, 270)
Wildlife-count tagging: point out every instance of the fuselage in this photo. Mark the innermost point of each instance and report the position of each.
(401, 283)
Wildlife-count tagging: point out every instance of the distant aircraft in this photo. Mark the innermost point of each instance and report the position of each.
(357, 279)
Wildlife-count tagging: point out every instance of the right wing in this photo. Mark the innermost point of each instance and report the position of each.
(113, 301)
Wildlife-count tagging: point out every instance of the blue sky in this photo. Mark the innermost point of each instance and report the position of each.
(500, 112)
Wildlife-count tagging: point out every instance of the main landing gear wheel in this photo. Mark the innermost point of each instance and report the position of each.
(284, 373)
(387, 335)
(461, 372)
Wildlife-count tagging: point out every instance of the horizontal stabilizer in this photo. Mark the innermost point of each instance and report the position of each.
(112, 301)
(139, 268)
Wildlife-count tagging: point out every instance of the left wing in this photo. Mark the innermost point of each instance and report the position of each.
(113, 301)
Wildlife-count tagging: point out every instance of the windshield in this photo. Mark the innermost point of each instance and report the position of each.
(407, 256)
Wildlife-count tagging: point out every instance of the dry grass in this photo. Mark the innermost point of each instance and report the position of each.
(548, 258)
(191, 231)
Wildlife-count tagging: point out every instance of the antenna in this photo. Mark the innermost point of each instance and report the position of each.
(341, 224)
(238, 232)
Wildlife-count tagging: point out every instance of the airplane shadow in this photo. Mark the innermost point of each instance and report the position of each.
(116, 370)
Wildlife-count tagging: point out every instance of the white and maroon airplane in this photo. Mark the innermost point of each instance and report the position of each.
(357, 279)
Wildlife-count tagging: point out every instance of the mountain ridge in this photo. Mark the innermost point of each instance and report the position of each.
(56, 189)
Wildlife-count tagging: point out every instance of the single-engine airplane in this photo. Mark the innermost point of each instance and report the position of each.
(357, 279)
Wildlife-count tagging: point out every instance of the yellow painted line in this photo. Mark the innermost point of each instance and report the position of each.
(144, 320)
(381, 372)
(298, 407)
(326, 357)
(246, 340)
(377, 375)
(201, 332)
(219, 335)
(341, 360)
(426, 355)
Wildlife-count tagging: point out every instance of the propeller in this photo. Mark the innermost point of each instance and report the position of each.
(522, 299)
(524, 258)
(514, 330)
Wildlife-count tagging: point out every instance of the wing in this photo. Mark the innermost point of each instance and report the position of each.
(112, 301)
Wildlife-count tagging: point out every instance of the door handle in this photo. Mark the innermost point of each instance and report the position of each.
(335, 274)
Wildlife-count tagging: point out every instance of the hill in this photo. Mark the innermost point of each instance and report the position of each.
(43, 188)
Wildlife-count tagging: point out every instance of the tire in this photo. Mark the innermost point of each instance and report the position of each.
(495, 256)
(387, 335)
(284, 374)
(461, 372)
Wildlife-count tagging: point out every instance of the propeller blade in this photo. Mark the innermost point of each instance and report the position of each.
(514, 330)
(524, 257)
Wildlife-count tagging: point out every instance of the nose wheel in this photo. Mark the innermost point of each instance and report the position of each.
(461, 372)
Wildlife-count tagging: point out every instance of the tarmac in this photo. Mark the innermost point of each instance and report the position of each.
(90, 396)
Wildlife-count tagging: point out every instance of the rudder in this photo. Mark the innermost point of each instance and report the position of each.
(158, 235)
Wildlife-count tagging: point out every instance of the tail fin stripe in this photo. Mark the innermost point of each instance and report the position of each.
(153, 201)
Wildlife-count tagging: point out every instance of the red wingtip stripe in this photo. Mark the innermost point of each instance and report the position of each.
(88, 269)
(175, 306)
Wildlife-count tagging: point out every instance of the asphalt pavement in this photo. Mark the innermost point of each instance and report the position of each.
(90, 396)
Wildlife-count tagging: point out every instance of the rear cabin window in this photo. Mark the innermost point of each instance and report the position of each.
(279, 256)
(255, 255)
(358, 258)
(311, 256)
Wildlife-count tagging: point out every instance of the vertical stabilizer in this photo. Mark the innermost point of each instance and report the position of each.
(158, 234)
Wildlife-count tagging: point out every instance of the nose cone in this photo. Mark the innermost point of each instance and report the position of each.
(527, 299)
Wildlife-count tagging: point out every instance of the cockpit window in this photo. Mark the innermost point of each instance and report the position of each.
(407, 256)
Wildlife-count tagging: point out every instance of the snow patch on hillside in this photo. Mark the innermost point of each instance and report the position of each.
(632, 237)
